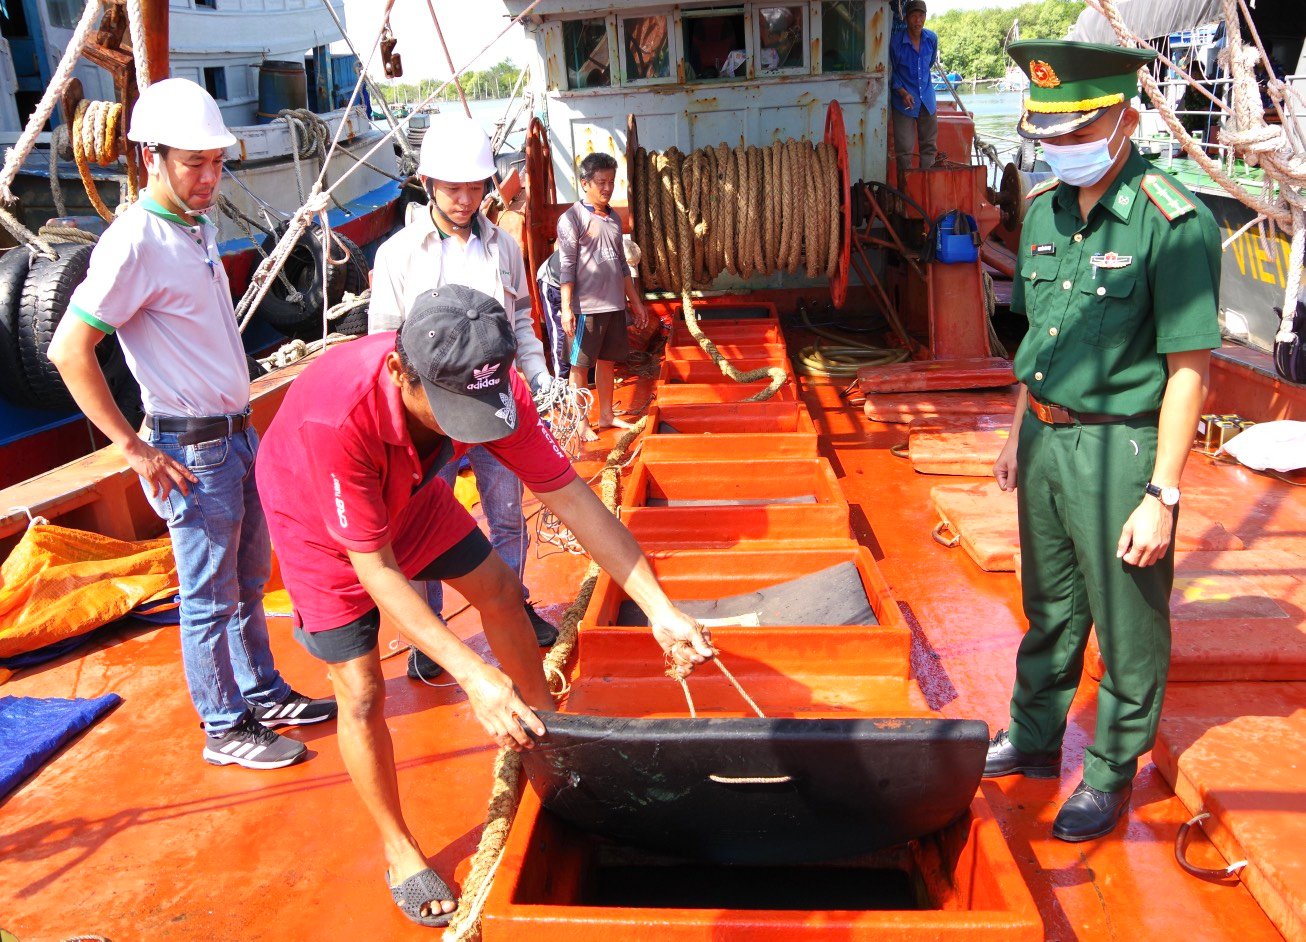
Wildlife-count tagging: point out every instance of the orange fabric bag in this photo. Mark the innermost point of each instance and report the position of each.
(58, 583)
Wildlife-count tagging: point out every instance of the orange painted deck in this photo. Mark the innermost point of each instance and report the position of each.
(128, 834)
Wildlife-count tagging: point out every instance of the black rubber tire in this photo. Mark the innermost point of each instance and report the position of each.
(255, 368)
(352, 277)
(46, 292)
(13, 275)
(303, 269)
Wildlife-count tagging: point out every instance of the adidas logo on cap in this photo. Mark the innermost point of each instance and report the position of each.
(483, 377)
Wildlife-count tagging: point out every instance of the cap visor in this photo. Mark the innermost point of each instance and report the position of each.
(472, 419)
(1039, 126)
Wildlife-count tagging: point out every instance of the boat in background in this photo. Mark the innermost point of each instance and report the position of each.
(731, 499)
(1192, 34)
(228, 49)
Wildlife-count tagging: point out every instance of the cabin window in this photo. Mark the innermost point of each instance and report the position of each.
(715, 45)
(843, 36)
(206, 4)
(781, 39)
(215, 81)
(64, 14)
(585, 51)
(646, 49)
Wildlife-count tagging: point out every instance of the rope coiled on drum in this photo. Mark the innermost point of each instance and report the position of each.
(744, 211)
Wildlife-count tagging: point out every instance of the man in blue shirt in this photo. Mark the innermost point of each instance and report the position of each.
(913, 51)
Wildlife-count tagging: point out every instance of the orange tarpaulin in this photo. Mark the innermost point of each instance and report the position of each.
(59, 583)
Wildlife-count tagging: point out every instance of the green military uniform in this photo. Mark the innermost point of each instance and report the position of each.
(1107, 298)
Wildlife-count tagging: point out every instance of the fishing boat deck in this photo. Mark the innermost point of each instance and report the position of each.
(127, 834)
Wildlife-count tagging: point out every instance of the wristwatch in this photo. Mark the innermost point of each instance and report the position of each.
(1166, 495)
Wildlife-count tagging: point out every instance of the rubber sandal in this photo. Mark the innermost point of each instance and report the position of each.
(424, 888)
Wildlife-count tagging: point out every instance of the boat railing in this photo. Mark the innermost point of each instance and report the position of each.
(100, 492)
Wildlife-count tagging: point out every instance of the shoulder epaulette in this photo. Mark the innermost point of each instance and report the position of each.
(1042, 188)
(1166, 196)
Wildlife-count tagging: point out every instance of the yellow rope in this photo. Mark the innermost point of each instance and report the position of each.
(506, 793)
(747, 211)
(96, 137)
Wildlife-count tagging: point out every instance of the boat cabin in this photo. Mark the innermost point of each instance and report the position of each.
(699, 74)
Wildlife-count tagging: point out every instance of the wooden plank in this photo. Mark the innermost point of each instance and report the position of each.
(961, 444)
(923, 375)
(904, 407)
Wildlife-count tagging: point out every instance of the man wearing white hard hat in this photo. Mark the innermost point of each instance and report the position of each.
(451, 242)
(156, 280)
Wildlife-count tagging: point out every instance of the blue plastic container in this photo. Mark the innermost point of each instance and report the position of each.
(956, 239)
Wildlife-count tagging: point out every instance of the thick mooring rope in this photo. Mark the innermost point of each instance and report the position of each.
(506, 793)
(96, 137)
(747, 211)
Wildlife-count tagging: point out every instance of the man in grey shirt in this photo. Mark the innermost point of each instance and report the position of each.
(595, 286)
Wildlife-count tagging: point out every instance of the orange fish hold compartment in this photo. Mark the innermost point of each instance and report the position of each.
(774, 584)
(727, 430)
(684, 495)
(693, 353)
(558, 884)
(705, 371)
(725, 391)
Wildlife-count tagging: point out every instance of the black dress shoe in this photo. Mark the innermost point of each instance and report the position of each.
(545, 634)
(1089, 814)
(421, 667)
(1005, 759)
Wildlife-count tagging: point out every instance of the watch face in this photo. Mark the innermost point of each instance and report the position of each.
(1169, 496)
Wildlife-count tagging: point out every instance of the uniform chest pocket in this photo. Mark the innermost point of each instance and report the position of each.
(1110, 305)
(1038, 274)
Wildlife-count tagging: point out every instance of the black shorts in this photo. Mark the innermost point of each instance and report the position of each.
(604, 338)
(337, 645)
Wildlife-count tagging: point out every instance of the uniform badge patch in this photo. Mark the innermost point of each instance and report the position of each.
(1111, 260)
(1043, 248)
(1043, 75)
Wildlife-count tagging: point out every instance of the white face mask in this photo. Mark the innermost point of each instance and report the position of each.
(1083, 164)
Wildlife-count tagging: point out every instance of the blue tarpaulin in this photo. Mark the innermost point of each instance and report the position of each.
(34, 728)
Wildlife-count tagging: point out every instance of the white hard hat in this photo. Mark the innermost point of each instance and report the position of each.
(178, 113)
(455, 149)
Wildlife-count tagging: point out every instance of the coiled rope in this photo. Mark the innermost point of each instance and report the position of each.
(96, 137)
(506, 793)
(744, 211)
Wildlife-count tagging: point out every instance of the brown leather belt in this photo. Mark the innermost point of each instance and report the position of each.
(1049, 414)
(192, 431)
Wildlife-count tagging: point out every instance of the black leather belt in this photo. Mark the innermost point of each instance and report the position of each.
(1049, 414)
(192, 431)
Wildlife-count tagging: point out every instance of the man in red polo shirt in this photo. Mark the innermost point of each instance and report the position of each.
(347, 475)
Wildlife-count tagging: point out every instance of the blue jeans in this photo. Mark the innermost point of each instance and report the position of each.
(501, 494)
(224, 557)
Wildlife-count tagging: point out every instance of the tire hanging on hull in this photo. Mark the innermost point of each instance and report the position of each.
(32, 303)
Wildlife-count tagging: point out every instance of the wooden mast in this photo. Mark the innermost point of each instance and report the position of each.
(155, 15)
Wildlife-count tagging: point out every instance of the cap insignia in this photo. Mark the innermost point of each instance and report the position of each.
(1043, 75)
(509, 411)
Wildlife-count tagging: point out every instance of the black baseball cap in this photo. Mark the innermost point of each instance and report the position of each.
(912, 6)
(462, 346)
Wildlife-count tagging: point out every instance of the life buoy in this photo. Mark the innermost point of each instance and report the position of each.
(46, 293)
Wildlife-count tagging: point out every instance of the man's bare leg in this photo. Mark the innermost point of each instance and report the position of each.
(580, 379)
(368, 754)
(495, 592)
(605, 375)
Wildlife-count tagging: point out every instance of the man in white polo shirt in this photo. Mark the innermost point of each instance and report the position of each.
(451, 242)
(156, 279)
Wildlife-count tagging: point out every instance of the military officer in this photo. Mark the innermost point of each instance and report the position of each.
(1118, 273)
